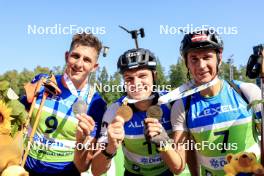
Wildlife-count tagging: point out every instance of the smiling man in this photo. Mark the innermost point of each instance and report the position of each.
(140, 136)
(53, 151)
(217, 115)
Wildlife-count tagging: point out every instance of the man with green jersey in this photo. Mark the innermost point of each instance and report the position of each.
(216, 118)
(141, 135)
(54, 150)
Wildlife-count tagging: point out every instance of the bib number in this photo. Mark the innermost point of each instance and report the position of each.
(51, 123)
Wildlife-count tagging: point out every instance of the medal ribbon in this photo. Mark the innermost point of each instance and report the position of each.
(178, 93)
(184, 91)
(72, 88)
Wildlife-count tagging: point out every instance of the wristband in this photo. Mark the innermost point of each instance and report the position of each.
(108, 155)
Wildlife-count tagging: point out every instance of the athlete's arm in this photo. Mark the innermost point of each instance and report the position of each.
(155, 132)
(192, 161)
(102, 159)
(181, 137)
(101, 162)
(82, 155)
(252, 92)
(183, 140)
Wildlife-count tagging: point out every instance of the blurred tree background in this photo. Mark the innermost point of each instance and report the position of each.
(176, 76)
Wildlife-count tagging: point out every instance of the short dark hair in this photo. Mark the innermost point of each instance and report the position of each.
(86, 39)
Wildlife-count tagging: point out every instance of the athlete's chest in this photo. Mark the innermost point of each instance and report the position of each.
(223, 108)
(135, 126)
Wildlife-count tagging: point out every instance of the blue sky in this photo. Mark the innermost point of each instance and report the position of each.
(20, 49)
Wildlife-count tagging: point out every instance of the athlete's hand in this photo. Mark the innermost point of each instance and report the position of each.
(82, 156)
(155, 132)
(85, 127)
(116, 134)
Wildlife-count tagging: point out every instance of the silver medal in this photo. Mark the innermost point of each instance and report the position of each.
(80, 106)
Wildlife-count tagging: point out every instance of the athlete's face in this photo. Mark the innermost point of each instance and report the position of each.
(80, 61)
(202, 65)
(138, 83)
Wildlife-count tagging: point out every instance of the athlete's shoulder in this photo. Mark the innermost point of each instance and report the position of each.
(243, 84)
(250, 90)
(178, 116)
(120, 100)
(97, 97)
(97, 106)
(179, 104)
(246, 87)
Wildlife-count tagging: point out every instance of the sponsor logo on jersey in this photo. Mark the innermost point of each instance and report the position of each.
(140, 124)
(219, 110)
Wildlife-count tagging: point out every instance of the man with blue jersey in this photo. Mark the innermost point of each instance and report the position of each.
(216, 118)
(54, 150)
(141, 135)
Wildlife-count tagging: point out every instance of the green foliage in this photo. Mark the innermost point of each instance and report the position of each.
(238, 73)
(93, 78)
(58, 70)
(109, 87)
(18, 80)
(40, 69)
(14, 78)
(18, 113)
(161, 78)
(177, 74)
(115, 84)
(103, 76)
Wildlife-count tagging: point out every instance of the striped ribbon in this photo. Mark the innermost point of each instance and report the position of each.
(178, 93)
(184, 91)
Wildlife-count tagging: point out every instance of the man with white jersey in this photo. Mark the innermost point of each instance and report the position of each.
(216, 118)
(54, 150)
(141, 135)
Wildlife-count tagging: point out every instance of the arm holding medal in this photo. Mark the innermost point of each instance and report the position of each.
(82, 158)
(155, 133)
(115, 136)
(102, 159)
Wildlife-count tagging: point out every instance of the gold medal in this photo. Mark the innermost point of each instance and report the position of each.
(154, 112)
(125, 112)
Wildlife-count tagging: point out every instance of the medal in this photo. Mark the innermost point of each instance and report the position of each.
(154, 112)
(124, 111)
(79, 107)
